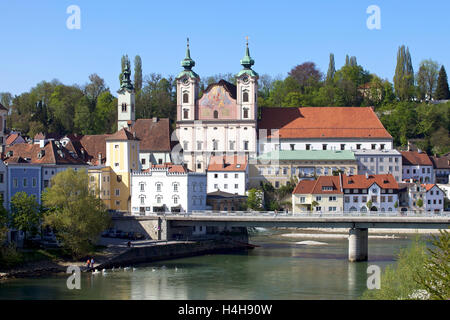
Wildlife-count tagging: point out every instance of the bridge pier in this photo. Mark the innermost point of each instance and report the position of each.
(358, 241)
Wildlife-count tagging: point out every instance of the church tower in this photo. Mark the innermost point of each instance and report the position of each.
(125, 106)
(187, 89)
(247, 88)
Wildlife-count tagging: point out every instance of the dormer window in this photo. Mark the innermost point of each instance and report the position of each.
(245, 96)
(124, 107)
(185, 97)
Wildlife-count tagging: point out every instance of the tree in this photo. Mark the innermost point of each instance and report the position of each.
(427, 79)
(398, 281)
(26, 214)
(75, 213)
(93, 89)
(6, 99)
(436, 278)
(442, 91)
(419, 203)
(137, 73)
(306, 74)
(254, 199)
(331, 70)
(404, 75)
(369, 205)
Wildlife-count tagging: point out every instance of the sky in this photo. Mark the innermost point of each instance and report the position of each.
(37, 44)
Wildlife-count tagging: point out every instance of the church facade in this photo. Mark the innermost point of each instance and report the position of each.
(223, 121)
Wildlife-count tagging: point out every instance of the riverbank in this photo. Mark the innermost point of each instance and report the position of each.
(122, 255)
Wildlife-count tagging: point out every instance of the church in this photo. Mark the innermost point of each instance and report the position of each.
(225, 121)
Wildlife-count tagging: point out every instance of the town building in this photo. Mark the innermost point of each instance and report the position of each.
(225, 201)
(167, 188)
(14, 138)
(364, 192)
(421, 197)
(417, 165)
(30, 167)
(441, 167)
(113, 179)
(222, 120)
(321, 195)
(321, 128)
(228, 174)
(380, 162)
(280, 167)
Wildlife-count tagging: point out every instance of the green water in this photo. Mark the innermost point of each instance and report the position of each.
(278, 269)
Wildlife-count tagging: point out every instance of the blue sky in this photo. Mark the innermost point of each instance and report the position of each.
(37, 45)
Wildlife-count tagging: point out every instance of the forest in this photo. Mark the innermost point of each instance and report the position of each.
(411, 107)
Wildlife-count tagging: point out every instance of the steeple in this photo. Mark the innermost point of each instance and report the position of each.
(126, 81)
(188, 64)
(247, 62)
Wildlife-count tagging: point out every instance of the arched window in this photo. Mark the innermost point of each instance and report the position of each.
(185, 97)
(245, 113)
(353, 209)
(245, 97)
(216, 114)
(124, 107)
(185, 113)
(363, 209)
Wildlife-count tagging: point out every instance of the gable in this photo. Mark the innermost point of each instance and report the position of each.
(217, 97)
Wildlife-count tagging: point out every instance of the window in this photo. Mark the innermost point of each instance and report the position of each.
(15, 182)
(236, 175)
(318, 198)
(277, 184)
(231, 145)
(158, 187)
(185, 145)
(292, 146)
(216, 114)
(245, 113)
(158, 199)
(116, 164)
(236, 186)
(119, 178)
(285, 170)
(324, 146)
(142, 185)
(216, 186)
(318, 208)
(117, 192)
(34, 182)
(185, 97)
(225, 186)
(45, 183)
(143, 161)
(142, 200)
(382, 146)
(24, 182)
(332, 198)
(245, 97)
(185, 113)
(358, 146)
(342, 146)
(225, 175)
(215, 145)
(308, 146)
(124, 107)
(347, 199)
(199, 165)
(374, 146)
(374, 199)
(199, 145)
(245, 145)
(302, 199)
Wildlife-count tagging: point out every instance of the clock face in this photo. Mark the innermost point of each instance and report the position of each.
(245, 79)
(186, 81)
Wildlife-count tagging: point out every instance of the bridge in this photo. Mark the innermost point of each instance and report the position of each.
(357, 223)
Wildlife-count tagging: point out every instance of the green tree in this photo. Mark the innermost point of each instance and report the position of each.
(254, 199)
(106, 113)
(76, 214)
(436, 276)
(331, 70)
(427, 77)
(419, 203)
(404, 75)
(442, 91)
(26, 214)
(137, 73)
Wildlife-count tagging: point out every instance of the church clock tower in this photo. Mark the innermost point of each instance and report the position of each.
(247, 88)
(125, 106)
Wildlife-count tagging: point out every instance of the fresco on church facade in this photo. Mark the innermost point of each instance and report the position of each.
(217, 99)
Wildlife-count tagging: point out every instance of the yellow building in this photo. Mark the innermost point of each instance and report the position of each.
(322, 195)
(113, 180)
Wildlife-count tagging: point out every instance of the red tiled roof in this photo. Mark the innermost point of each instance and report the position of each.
(323, 122)
(171, 167)
(122, 134)
(316, 186)
(428, 187)
(441, 162)
(153, 135)
(52, 154)
(415, 158)
(359, 181)
(90, 146)
(11, 138)
(227, 163)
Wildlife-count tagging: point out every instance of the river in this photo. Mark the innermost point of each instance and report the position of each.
(279, 268)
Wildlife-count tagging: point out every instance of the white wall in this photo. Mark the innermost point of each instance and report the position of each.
(374, 190)
(432, 198)
(226, 181)
(416, 172)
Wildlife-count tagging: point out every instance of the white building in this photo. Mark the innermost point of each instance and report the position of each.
(321, 128)
(223, 120)
(167, 188)
(434, 198)
(380, 162)
(228, 174)
(380, 192)
(417, 166)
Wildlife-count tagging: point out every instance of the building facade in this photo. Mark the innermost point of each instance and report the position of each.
(380, 162)
(228, 174)
(417, 166)
(167, 188)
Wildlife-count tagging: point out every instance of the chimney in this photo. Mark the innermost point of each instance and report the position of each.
(409, 146)
(367, 175)
(99, 158)
(42, 143)
(134, 134)
(155, 119)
